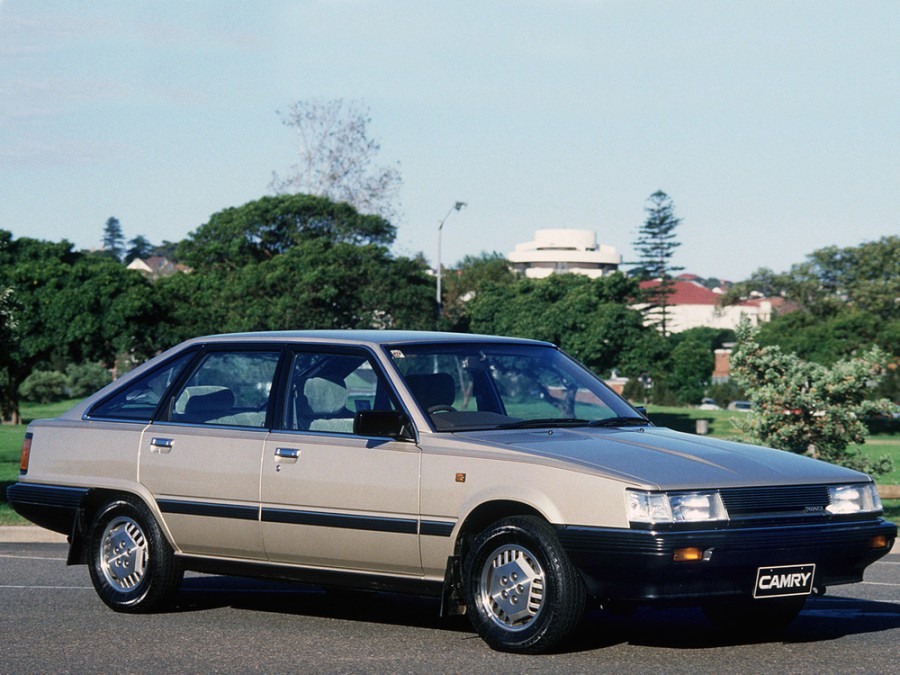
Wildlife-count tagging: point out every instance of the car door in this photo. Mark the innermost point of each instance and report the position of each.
(201, 459)
(331, 498)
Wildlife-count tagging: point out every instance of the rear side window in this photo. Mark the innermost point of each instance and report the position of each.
(138, 401)
(227, 388)
(327, 389)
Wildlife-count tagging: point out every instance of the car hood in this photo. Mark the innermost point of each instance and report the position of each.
(661, 458)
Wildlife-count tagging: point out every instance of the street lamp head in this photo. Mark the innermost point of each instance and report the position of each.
(459, 205)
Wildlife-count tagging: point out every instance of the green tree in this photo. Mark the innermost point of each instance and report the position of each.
(7, 323)
(462, 283)
(826, 339)
(71, 308)
(167, 250)
(808, 408)
(587, 317)
(845, 301)
(321, 284)
(267, 227)
(647, 354)
(294, 262)
(692, 363)
(113, 239)
(691, 359)
(864, 278)
(315, 284)
(139, 247)
(656, 245)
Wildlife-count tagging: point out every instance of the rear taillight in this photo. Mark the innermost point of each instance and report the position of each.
(26, 454)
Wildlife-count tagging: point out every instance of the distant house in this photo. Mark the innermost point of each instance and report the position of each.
(692, 305)
(156, 267)
(557, 251)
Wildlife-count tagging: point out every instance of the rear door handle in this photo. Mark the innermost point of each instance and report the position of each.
(287, 453)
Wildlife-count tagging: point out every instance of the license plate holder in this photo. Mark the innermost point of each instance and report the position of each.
(784, 580)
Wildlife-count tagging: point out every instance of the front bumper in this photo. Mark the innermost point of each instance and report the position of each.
(639, 565)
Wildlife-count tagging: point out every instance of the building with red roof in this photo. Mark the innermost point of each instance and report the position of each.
(691, 305)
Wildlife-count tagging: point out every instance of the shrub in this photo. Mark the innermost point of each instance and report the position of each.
(43, 386)
(809, 408)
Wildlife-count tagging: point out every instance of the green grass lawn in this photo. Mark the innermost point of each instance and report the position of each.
(721, 425)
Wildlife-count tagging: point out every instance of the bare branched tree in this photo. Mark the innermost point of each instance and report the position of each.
(337, 157)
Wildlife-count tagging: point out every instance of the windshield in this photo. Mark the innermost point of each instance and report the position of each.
(495, 386)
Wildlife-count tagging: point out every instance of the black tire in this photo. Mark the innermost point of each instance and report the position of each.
(754, 617)
(522, 592)
(132, 565)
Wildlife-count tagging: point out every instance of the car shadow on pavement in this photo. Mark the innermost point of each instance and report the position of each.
(822, 619)
(212, 592)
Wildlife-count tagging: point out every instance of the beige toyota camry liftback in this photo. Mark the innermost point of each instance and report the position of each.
(497, 474)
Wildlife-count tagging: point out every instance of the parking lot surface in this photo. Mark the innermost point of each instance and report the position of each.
(52, 621)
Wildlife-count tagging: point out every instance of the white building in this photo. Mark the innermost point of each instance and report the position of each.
(692, 305)
(557, 251)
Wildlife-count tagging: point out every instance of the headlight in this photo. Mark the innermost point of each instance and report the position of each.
(853, 498)
(674, 507)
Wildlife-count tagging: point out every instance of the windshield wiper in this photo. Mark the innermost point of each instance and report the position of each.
(619, 422)
(544, 422)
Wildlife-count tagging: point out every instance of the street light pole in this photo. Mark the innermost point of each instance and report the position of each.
(458, 206)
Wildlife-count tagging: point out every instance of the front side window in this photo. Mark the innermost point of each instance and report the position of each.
(326, 390)
(227, 388)
(138, 401)
(461, 386)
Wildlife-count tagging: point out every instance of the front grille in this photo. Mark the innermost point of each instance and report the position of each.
(780, 501)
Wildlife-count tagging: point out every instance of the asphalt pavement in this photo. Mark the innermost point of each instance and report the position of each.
(52, 621)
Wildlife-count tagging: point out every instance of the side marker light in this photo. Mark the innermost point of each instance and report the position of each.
(688, 554)
(26, 454)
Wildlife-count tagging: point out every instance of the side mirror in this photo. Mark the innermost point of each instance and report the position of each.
(383, 423)
(642, 410)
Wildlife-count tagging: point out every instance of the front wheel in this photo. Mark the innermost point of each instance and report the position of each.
(132, 565)
(522, 591)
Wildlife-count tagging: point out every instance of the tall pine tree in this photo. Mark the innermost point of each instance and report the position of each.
(113, 239)
(656, 245)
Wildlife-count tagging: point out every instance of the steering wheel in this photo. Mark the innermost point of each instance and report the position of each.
(441, 407)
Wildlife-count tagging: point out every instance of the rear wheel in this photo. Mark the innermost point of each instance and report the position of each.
(522, 591)
(132, 565)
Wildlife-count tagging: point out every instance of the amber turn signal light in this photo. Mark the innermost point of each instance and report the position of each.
(687, 554)
(878, 541)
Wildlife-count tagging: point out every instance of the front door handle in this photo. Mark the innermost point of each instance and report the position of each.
(161, 445)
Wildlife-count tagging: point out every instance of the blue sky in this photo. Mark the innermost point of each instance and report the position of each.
(774, 126)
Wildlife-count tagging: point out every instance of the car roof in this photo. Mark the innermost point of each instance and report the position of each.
(369, 337)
